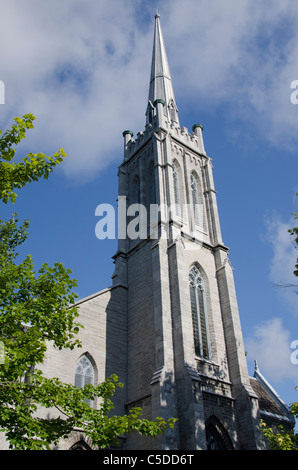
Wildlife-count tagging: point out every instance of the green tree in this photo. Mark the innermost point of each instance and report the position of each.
(283, 438)
(31, 168)
(35, 308)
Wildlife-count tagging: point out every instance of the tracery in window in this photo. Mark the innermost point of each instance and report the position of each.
(84, 374)
(198, 312)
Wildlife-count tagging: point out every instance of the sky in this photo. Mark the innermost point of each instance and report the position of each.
(83, 68)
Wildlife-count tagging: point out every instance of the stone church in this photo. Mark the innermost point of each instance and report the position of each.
(169, 325)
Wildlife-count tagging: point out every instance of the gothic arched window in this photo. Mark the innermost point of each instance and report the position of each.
(176, 190)
(198, 312)
(195, 199)
(84, 373)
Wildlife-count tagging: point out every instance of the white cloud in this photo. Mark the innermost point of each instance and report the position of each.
(244, 55)
(78, 67)
(271, 347)
(270, 343)
(83, 68)
(283, 260)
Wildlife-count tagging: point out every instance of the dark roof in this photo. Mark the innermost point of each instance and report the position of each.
(266, 403)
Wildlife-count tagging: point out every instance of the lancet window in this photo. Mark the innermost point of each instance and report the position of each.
(84, 373)
(198, 312)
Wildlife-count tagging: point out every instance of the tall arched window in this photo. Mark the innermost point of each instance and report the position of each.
(198, 312)
(176, 190)
(84, 373)
(195, 199)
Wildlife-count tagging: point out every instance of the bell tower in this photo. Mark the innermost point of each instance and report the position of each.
(185, 353)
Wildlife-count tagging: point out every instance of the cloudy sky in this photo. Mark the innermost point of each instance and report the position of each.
(82, 68)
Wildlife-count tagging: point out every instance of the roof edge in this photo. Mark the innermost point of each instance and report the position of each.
(272, 393)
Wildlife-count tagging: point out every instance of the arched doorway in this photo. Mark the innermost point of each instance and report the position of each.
(217, 437)
(80, 445)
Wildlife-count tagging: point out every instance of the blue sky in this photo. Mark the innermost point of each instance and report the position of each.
(82, 68)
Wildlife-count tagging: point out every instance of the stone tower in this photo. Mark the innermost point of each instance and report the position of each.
(169, 326)
(185, 353)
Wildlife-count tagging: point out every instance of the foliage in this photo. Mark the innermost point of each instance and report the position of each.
(27, 431)
(31, 168)
(282, 439)
(36, 308)
(41, 301)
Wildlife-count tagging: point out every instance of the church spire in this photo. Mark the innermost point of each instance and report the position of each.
(160, 87)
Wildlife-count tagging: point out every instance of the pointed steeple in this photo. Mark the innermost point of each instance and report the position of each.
(160, 80)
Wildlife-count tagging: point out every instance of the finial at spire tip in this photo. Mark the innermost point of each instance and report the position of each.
(157, 15)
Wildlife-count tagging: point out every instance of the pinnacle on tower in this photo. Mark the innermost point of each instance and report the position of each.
(160, 87)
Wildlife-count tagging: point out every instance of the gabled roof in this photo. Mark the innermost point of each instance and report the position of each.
(270, 403)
